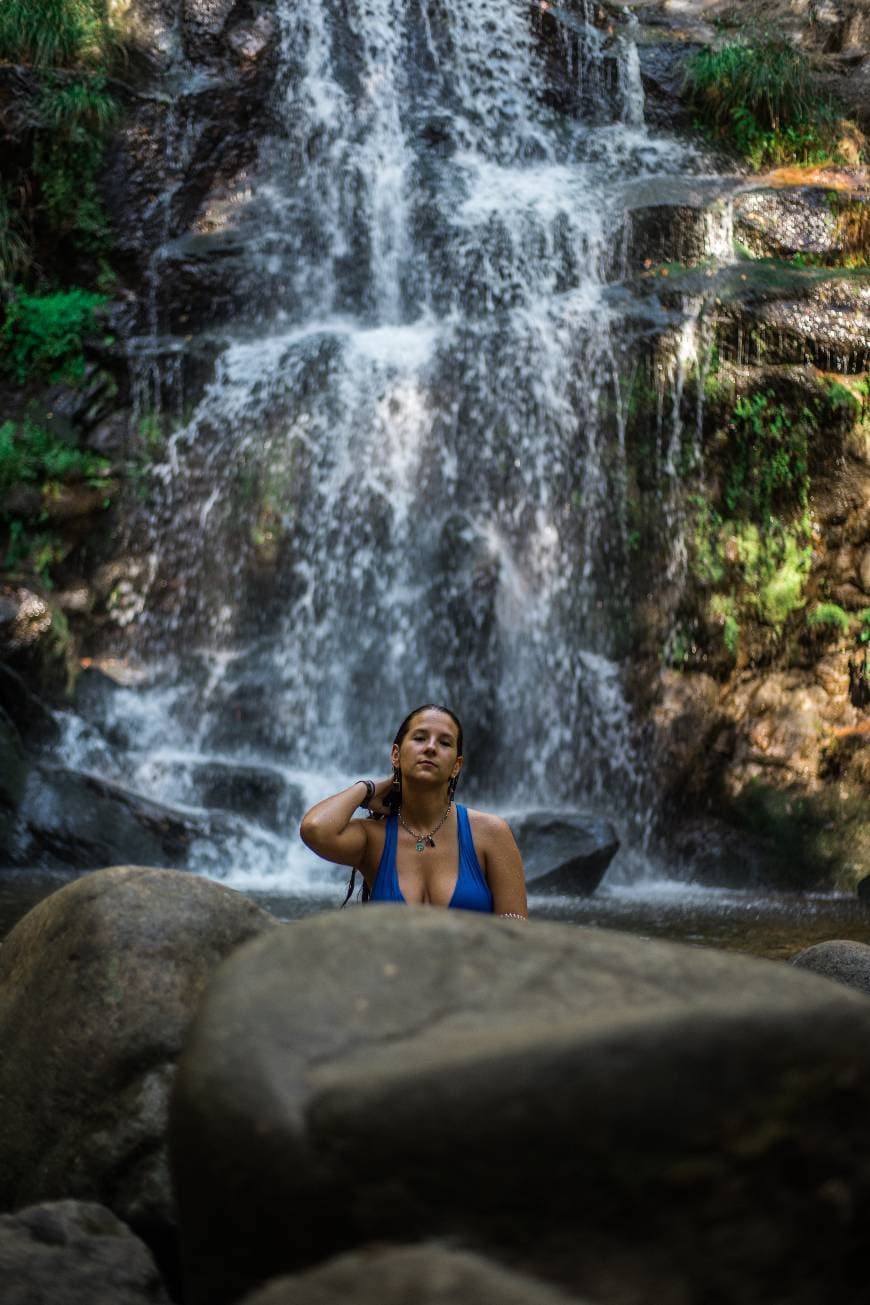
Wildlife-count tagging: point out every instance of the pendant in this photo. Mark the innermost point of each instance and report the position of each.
(430, 840)
(420, 846)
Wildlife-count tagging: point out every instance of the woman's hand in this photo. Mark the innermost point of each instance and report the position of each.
(378, 804)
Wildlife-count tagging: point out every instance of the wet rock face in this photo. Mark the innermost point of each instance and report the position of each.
(477, 1080)
(195, 124)
(98, 984)
(75, 1253)
(782, 223)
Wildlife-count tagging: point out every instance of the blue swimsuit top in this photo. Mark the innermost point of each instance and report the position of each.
(471, 892)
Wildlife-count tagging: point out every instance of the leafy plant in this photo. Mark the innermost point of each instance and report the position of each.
(29, 453)
(769, 456)
(42, 335)
(56, 33)
(14, 248)
(864, 628)
(759, 96)
(75, 118)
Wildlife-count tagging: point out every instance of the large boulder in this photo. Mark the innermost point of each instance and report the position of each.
(75, 1253)
(564, 851)
(98, 984)
(425, 1275)
(73, 819)
(637, 1120)
(840, 959)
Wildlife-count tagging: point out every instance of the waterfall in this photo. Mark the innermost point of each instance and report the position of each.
(401, 484)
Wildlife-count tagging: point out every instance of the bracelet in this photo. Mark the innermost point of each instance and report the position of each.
(370, 791)
(514, 915)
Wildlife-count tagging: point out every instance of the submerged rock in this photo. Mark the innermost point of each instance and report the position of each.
(75, 1253)
(98, 984)
(592, 1108)
(564, 851)
(842, 960)
(427, 1275)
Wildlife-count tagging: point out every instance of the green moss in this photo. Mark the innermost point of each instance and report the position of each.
(29, 454)
(768, 463)
(782, 593)
(723, 611)
(828, 614)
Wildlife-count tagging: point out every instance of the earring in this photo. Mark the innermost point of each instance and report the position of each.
(395, 798)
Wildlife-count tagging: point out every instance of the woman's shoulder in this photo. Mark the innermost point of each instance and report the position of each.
(486, 824)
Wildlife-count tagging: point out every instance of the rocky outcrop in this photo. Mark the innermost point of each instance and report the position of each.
(841, 960)
(98, 984)
(427, 1275)
(192, 127)
(563, 851)
(70, 819)
(477, 1080)
(75, 1253)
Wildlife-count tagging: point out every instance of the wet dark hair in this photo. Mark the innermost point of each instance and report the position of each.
(394, 798)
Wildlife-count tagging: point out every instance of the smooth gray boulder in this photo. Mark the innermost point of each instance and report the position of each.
(98, 984)
(74, 1253)
(634, 1120)
(842, 960)
(564, 851)
(409, 1275)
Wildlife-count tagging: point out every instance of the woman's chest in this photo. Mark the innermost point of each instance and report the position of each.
(429, 876)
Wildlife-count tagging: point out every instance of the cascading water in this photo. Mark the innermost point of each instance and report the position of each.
(399, 486)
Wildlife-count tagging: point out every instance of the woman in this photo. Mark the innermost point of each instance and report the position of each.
(428, 851)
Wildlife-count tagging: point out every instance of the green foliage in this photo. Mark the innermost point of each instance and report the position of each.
(769, 457)
(42, 335)
(828, 614)
(14, 248)
(29, 454)
(723, 611)
(843, 400)
(56, 33)
(759, 97)
(864, 628)
(781, 592)
(75, 118)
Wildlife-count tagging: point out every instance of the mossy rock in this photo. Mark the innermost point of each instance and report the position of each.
(808, 840)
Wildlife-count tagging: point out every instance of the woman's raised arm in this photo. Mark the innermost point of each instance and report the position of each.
(330, 830)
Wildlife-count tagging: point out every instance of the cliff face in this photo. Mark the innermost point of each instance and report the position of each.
(753, 648)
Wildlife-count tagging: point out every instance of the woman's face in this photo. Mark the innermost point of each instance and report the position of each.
(429, 750)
